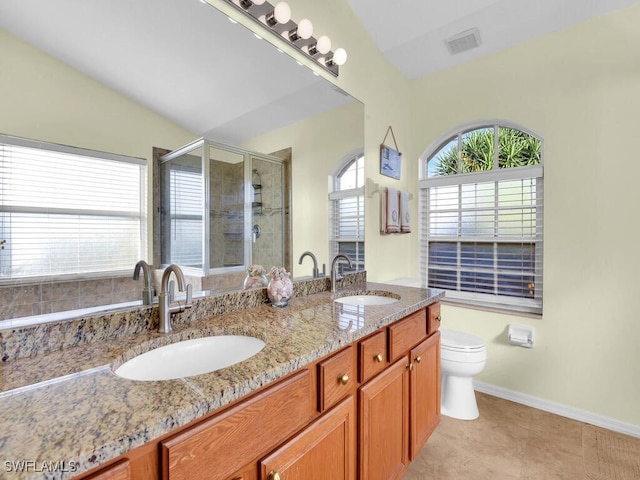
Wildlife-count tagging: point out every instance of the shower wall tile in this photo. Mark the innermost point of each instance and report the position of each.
(50, 297)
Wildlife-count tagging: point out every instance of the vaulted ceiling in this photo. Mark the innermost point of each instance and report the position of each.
(412, 34)
(180, 57)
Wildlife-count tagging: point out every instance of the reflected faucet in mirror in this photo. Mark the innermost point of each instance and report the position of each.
(147, 291)
(335, 276)
(166, 306)
(316, 272)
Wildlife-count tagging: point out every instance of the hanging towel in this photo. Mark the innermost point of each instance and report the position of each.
(392, 220)
(405, 218)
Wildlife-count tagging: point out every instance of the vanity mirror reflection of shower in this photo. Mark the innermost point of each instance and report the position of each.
(204, 202)
(267, 181)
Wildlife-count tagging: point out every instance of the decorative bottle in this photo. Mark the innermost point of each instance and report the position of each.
(280, 288)
(256, 277)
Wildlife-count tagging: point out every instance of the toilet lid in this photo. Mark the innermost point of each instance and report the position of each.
(454, 340)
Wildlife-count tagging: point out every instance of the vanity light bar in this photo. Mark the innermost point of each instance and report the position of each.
(277, 19)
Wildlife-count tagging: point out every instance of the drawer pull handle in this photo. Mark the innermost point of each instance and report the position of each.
(410, 367)
(344, 379)
(418, 359)
(274, 475)
(438, 319)
(378, 358)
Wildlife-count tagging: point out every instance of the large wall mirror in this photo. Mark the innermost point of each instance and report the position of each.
(199, 73)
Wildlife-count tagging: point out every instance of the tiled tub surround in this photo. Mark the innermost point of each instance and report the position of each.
(47, 297)
(68, 406)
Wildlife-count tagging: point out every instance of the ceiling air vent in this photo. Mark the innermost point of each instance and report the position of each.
(463, 41)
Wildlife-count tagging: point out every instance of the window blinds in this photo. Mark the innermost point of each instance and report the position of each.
(347, 225)
(482, 236)
(69, 211)
(186, 222)
(346, 218)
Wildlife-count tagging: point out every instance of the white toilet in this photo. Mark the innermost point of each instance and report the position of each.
(462, 356)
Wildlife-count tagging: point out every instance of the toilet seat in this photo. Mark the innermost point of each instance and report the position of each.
(455, 341)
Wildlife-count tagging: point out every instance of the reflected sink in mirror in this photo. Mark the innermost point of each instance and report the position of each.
(190, 357)
(373, 298)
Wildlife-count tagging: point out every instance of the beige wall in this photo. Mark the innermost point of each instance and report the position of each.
(580, 90)
(44, 99)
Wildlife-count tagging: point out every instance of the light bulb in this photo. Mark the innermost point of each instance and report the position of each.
(340, 56)
(282, 12)
(258, 2)
(323, 45)
(305, 28)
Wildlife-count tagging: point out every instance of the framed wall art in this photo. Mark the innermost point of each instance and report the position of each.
(390, 159)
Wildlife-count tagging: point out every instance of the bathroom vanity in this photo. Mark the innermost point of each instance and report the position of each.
(339, 391)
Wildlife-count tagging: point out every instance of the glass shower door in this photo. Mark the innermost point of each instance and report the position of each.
(181, 211)
(226, 205)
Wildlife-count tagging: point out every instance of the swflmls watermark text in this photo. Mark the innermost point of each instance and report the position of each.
(39, 466)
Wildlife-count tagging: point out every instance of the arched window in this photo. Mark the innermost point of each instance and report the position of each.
(346, 219)
(481, 205)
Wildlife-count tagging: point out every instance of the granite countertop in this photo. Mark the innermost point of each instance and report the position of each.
(65, 411)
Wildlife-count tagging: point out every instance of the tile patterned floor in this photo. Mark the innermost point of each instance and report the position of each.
(508, 441)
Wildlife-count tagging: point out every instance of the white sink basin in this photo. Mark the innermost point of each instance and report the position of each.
(366, 300)
(190, 357)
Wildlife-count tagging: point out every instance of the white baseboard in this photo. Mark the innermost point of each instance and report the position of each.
(558, 409)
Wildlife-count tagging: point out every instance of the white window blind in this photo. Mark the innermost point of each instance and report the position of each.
(482, 232)
(347, 226)
(346, 218)
(186, 222)
(66, 211)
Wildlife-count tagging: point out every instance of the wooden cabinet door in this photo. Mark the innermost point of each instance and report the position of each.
(383, 424)
(220, 445)
(323, 451)
(118, 471)
(424, 413)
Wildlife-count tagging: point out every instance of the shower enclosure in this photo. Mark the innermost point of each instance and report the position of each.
(221, 208)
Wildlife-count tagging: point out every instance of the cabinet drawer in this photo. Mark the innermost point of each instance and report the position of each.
(372, 356)
(433, 318)
(250, 472)
(219, 446)
(406, 333)
(336, 376)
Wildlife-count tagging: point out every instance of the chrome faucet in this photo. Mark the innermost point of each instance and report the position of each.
(167, 307)
(316, 272)
(147, 291)
(334, 274)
